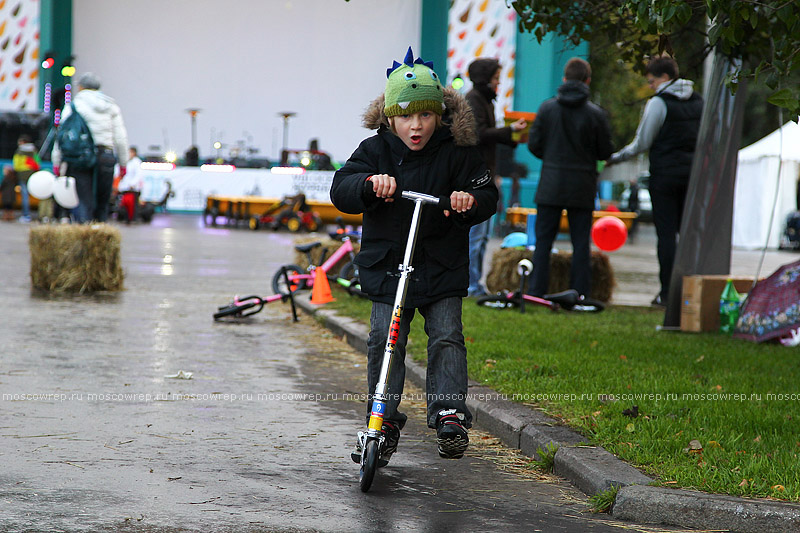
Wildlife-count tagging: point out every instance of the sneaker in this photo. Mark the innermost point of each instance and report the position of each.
(391, 436)
(658, 302)
(451, 436)
(24, 219)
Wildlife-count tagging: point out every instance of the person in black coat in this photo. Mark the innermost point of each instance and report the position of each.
(570, 135)
(484, 73)
(425, 142)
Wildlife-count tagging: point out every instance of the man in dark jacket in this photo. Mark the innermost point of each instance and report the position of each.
(485, 76)
(570, 135)
(668, 128)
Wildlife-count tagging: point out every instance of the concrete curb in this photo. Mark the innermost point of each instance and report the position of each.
(592, 469)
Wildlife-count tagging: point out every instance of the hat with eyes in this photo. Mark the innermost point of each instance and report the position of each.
(412, 86)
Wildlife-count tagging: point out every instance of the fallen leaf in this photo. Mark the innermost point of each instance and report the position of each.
(623, 357)
(779, 488)
(630, 428)
(699, 358)
(633, 412)
(757, 439)
(743, 483)
(718, 387)
(714, 444)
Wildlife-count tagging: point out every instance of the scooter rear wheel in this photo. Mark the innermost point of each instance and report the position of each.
(369, 464)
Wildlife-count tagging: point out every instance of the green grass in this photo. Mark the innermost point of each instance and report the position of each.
(740, 401)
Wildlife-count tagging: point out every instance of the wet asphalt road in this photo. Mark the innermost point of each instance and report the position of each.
(95, 435)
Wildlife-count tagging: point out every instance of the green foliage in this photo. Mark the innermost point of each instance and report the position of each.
(546, 458)
(765, 34)
(602, 501)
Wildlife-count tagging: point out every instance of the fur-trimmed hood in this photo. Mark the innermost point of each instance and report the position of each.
(457, 117)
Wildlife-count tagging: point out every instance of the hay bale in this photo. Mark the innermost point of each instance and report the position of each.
(503, 273)
(76, 258)
(331, 245)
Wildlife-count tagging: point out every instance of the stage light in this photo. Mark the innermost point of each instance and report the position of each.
(170, 157)
(68, 71)
(48, 62)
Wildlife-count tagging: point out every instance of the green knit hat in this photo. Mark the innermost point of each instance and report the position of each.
(412, 86)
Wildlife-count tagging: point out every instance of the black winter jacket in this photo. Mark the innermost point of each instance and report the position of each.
(570, 135)
(481, 100)
(449, 162)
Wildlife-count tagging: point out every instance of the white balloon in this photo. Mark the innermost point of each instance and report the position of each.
(65, 192)
(40, 184)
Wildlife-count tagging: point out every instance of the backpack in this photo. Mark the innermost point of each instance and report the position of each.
(75, 141)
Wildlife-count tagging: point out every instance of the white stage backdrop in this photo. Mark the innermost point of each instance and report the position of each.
(242, 63)
(192, 186)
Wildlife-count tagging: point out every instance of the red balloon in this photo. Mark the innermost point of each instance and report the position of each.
(609, 233)
(612, 208)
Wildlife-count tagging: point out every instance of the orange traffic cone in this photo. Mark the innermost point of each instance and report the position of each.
(321, 292)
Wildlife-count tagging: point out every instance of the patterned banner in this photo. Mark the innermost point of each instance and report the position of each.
(19, 55)
(483, 28)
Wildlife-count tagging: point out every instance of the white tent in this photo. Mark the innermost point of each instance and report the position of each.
(756, 182)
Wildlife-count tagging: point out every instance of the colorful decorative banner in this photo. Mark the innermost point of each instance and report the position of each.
(19, 55)
(483, 28)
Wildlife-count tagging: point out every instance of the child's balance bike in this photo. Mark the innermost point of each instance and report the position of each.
(371, 440)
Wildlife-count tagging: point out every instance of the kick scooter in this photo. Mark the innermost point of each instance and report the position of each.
(370, 441)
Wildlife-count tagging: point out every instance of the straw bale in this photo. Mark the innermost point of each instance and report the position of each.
(76, 258)
(503, 272)
(331, 245)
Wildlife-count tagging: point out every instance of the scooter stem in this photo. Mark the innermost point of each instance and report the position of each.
(379, 400)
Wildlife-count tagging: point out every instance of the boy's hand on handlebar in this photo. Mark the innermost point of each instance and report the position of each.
(384, 186)
(460, 202)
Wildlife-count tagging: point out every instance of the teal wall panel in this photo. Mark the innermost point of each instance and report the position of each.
(434, 35)
(55, 35)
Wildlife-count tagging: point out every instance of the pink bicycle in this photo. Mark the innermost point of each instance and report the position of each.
(298, 278)
(568, 300)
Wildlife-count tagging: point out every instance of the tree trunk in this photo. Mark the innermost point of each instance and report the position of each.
(706, 226)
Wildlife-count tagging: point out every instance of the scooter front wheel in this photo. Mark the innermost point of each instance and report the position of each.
(369, 463)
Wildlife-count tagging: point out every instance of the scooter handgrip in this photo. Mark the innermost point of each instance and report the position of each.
(444, 203)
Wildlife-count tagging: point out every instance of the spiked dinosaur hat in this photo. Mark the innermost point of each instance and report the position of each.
(412, 86)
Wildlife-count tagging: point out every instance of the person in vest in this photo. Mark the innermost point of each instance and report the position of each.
(668, 129)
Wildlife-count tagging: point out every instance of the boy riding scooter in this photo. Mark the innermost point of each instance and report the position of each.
(425, 142)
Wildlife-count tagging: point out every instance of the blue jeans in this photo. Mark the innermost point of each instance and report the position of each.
(478, 237)
(26, 201)
(447, 359)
